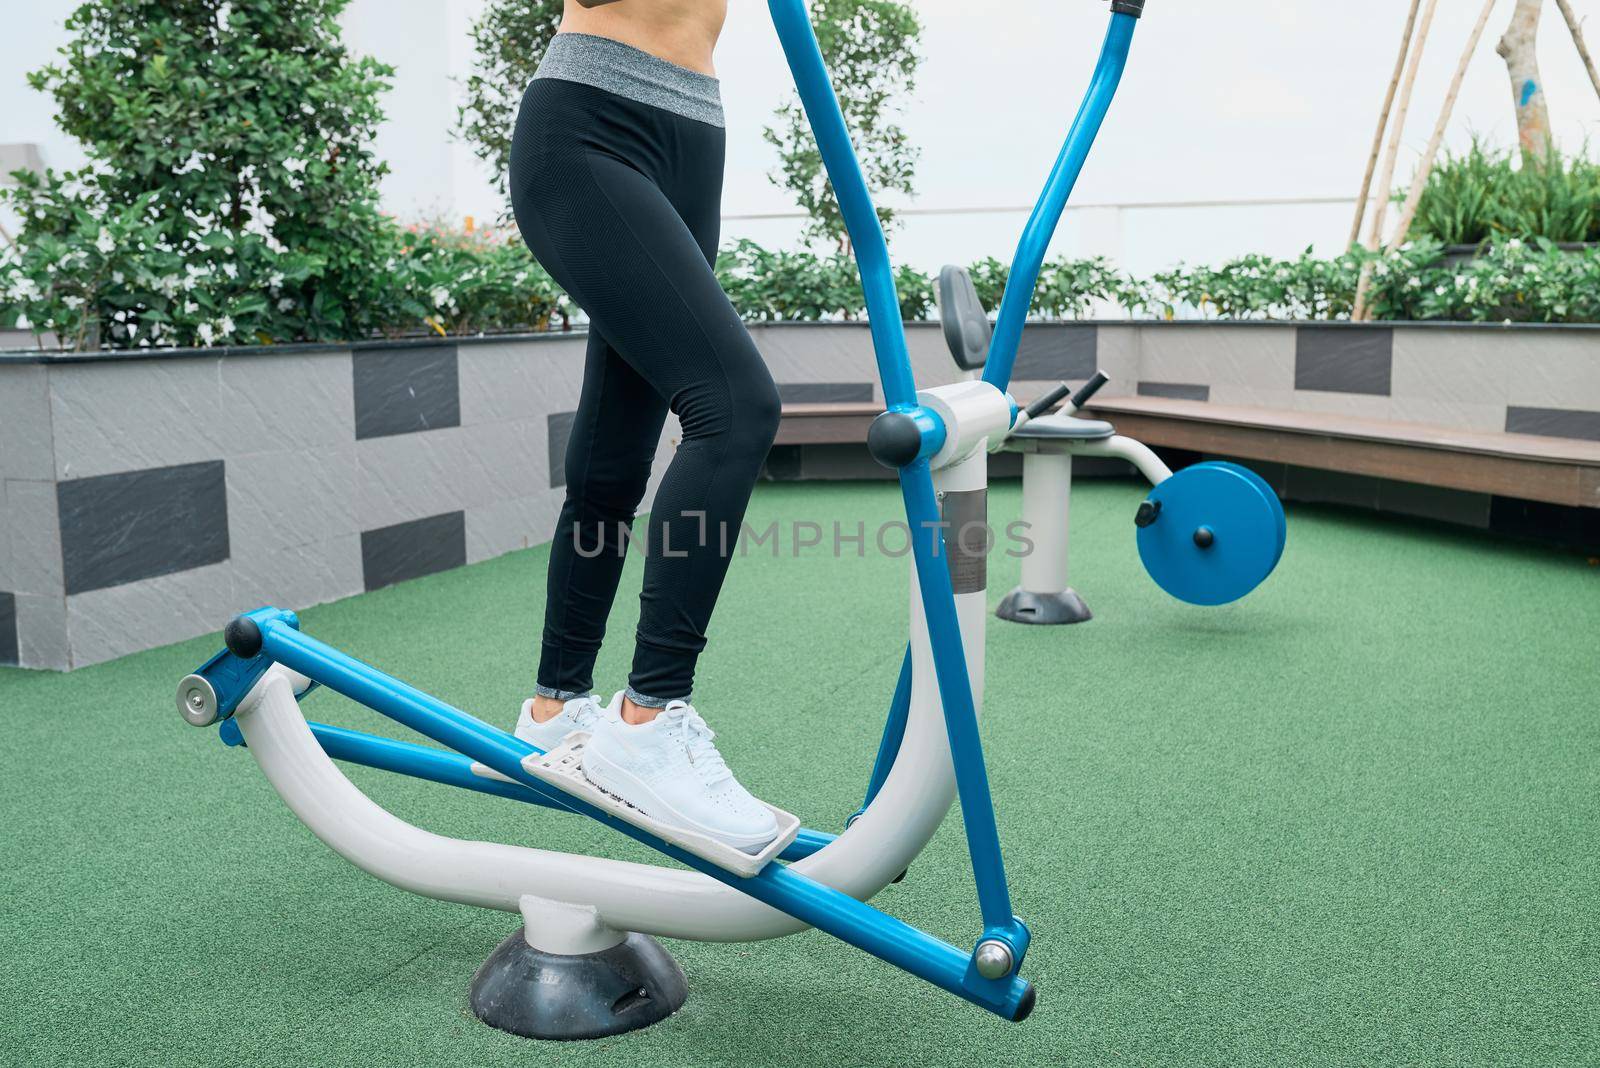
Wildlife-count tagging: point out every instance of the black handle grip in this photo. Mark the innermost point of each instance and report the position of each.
(1090, 388)
(1048, 401)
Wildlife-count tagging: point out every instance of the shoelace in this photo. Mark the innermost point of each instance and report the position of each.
(588, 714)
(697, 736)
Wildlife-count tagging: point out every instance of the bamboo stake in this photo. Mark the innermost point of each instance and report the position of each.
(1397, 134)
(1414, 198)
(1386, 182)
(1577, 39)
(1383, 123)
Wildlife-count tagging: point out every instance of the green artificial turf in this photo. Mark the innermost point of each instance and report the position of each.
(1352, 819)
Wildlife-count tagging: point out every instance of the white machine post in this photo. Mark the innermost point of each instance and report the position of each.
(1044, 596)
(1048, 443)
(1046, 501)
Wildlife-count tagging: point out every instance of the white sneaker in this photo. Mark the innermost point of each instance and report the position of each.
(670, 770)
(579, 714)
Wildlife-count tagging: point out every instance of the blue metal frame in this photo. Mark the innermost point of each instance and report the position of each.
(894, 732)
(453, 769)
(1047, 213)
(1024, 277)
(471, 740)
(799, 42)
(777, 885)
(916, 479)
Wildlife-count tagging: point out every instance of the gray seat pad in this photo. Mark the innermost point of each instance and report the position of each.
(1067, 428)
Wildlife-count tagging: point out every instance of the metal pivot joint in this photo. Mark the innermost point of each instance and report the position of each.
(215, 690)
(903, 435)
(993, 959)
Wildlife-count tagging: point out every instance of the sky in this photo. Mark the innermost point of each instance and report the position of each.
(1221, 102)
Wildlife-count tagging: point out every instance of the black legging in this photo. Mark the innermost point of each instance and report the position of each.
(621, 202)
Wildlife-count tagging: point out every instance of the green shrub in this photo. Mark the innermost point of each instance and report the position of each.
(1258, 287)
(1558, 201)
(1512, 280)
(1069, 289)
(768, 286)
(1515, 280)
(471, 283)
(509, 39)
(989, 278)
(871, 50)
(1458, 203)
(918, 296)
(230, 194)
(451, 282)
(1486, 194)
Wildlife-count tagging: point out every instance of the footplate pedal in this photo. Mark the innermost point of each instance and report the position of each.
(562, 767)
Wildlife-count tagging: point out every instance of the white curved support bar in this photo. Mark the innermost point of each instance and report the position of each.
(653, 900)
(1135, 452)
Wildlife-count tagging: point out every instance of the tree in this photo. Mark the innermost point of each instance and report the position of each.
(230, 192)
(1520, 49)
(508, 42)
(870, 47)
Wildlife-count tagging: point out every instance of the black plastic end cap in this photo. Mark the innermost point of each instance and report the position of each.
(243, 638)
(534, 994)
(1030, 998)
(894, 440)
(1081, 398)
(1148, 512)
(1127, 7)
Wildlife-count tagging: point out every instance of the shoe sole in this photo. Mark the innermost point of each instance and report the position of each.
(612, 781)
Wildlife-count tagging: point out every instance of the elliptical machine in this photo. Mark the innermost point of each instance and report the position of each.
(583, 964)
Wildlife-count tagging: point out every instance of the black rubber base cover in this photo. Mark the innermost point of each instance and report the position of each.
(1050, 609)
(547, 995)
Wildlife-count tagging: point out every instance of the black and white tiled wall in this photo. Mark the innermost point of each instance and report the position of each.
(1523, 381)
(145, 500)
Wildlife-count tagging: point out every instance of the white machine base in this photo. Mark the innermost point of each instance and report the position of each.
(562, 768)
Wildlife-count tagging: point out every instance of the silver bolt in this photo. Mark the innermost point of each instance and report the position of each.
(196, 702)
(993, 959)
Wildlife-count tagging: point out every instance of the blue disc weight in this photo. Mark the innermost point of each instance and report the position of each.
(1272, 498)
(1216, 533)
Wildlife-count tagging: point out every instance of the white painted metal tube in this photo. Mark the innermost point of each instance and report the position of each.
(1135, 452)
(631, 897)
(1046, 502)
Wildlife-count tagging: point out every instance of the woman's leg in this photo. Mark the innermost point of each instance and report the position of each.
(658, 301)
(616, 242)
(594, 180)
(614, 436)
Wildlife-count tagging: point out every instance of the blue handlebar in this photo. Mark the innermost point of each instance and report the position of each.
(800, 46)
(1047, 213)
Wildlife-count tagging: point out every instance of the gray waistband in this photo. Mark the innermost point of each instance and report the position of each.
(626, 71)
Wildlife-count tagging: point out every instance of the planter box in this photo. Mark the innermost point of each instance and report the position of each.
(1456, 255)
(146, 498)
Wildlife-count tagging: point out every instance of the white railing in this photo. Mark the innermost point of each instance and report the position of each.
(1140, 236)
